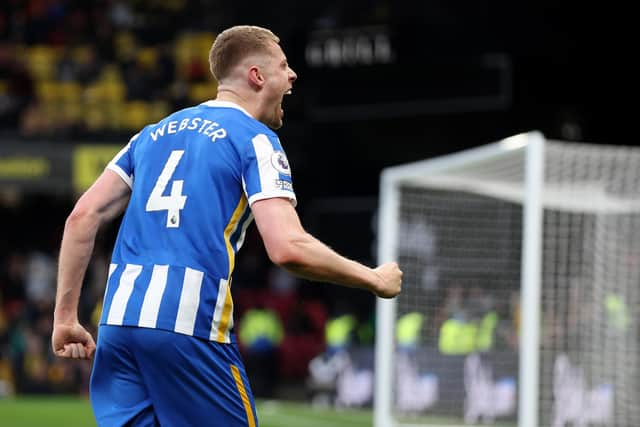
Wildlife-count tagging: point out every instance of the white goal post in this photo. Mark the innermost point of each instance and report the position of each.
(522, 263)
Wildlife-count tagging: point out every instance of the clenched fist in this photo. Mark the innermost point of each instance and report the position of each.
(390, 282)
(72, 341)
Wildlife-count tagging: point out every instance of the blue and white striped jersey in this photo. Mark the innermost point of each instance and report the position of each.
(193, 177)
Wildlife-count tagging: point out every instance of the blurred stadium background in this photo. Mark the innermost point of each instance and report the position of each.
(381, 82)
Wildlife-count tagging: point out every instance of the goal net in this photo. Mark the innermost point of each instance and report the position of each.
(521, 293)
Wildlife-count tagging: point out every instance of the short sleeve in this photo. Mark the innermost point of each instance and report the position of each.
(265, 170)
(122, 163)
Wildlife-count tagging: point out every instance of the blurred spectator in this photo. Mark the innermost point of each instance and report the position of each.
(341, 374)
(122, 15)
(408, 331)
(12, 284)
(339, 333)
(451, 306)
(17, 89)
(259, 336)
(137, 81)
(67, 67)
(40, 279)
(165, 66)
(281, 282)
(303, 339)
(87, 64)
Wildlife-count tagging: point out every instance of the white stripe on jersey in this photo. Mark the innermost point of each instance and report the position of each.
(243, 233)
(229, 326)
(189, 301)
(112, 268)
(153, 297)
(217, 314)
(264, 150)
(122, 294)
(269, 176)
(117, 169)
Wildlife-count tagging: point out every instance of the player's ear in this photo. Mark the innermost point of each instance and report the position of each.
(256, 78)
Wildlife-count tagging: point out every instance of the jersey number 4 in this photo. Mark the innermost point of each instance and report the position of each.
(174, 202)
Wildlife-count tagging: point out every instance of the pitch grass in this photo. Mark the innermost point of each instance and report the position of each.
(56, 411)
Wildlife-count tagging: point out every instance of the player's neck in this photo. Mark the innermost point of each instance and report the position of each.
(231, 95)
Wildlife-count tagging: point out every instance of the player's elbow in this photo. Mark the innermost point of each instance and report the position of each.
(285, 252)
(283, 255)
(82, 218)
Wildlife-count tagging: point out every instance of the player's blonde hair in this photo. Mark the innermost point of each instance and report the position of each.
(234, 44)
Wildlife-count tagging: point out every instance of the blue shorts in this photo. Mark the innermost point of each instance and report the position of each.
(152, 377)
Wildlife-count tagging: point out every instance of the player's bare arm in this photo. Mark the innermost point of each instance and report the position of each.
(102, 202)
(291, 247)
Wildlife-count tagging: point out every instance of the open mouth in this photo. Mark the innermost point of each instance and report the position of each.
(288, 92)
